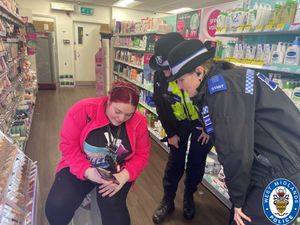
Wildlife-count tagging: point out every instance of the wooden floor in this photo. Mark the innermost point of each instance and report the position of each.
(42, 146)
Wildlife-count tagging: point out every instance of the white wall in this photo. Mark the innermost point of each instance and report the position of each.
(64, 28)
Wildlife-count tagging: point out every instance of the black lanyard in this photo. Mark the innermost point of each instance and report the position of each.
(113, 142)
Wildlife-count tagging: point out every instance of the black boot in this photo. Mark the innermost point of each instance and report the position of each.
(165, 208)
(188, 207)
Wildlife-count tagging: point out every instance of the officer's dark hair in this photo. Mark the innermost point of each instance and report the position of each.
(226, 65)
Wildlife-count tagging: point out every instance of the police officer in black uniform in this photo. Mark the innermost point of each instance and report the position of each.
(255, 127)
(180, 119)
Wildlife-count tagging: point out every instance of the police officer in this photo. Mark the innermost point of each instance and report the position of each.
(255, 127)
(180, 119)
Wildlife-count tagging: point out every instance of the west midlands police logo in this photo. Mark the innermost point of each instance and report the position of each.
(281, 201)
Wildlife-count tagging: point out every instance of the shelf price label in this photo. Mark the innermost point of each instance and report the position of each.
(294, 27)
(258, 28)
(286, 69)
(246, 61)
(247, 28)
(240, 29)
(280, 26)
(218, 30)
(223, 30)
(269, 27)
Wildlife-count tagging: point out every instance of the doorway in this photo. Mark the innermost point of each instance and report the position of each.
(86, 44)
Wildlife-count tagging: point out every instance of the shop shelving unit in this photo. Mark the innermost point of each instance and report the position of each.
(19, 185)
(213, 184)
(275, 31)
(211, 181)
(12, 59)
(146, 49)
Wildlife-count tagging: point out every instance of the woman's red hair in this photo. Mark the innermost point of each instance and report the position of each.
(124, 92)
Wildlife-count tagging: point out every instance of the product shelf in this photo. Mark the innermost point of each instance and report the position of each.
(269, 29)
(134, 82)
(138, 34)
(283, 68)
(29, 127)
(8, 116)
(151, 109)
(10, 16)
(3, 53)
(211, 183)
(131, 48)
(129, 64)
(4, 74)
(2, 33)
(34, 208)
(259, 33)
(156, 138)
(14, 85)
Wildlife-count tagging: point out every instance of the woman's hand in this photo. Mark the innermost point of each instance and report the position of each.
(111, 188)
(92, 175)
(203, 136)
(239, 216)
(174, 141)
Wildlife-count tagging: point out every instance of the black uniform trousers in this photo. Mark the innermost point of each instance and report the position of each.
(253, 204)
(176, 162)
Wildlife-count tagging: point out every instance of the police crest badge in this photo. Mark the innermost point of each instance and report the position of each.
(281, 201)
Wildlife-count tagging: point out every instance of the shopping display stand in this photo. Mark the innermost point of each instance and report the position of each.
(132, 52)
(19, 188)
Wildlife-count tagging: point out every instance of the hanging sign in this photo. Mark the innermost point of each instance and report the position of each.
(209, 19)
(188, 24)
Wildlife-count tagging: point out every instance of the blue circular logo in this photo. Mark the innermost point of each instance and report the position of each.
(281, 201)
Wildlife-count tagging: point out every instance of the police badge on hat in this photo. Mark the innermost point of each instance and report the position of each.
(159, 59)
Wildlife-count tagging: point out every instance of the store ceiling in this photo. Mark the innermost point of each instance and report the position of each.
(161, 6)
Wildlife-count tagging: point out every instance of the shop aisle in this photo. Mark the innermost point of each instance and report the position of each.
(42, 146)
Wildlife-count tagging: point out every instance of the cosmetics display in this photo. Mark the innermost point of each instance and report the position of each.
(18, 185)
(17, 80)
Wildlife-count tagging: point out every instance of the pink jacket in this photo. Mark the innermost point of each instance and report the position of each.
(87, 115)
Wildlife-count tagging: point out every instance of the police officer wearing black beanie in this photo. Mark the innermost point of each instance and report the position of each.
(255, 128)
(180, 120)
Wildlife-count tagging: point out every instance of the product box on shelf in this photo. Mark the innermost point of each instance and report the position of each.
(276, 16)
(143, 26)
(147, 72)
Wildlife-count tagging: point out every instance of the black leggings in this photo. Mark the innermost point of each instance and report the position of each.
(68, 192)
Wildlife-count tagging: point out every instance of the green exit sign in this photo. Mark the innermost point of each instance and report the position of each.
(86, 11)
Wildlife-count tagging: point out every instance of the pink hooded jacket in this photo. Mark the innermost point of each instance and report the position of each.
(87, 115)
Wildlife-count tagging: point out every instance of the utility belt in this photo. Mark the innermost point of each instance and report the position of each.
(263, 168)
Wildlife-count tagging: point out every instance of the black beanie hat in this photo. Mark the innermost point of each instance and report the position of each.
(188, 55)
(162, 48)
